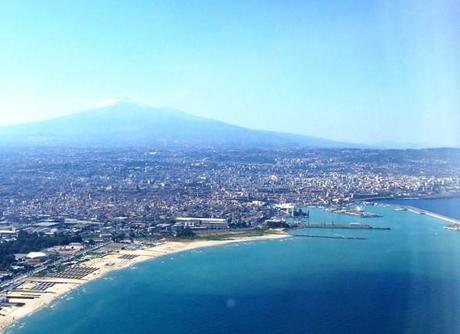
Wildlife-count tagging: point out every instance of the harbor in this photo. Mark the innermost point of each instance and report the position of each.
(315, 264)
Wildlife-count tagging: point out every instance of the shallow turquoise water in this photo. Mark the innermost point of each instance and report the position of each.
(406, 280)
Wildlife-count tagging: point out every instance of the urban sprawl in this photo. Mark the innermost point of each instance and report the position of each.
(57, 207)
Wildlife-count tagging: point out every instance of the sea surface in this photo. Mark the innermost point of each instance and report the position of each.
(446, 206)
(406, 280)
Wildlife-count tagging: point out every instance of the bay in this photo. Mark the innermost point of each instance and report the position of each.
(406, 280)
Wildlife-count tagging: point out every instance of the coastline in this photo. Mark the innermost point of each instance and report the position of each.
(121, 259)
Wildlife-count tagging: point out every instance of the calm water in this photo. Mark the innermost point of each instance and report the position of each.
(446, 206)
(406, 280)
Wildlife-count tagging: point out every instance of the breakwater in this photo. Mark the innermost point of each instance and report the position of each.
(413, 209)
(351, 226)
(328, 237)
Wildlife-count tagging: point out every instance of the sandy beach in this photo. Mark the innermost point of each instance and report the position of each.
(37, 292)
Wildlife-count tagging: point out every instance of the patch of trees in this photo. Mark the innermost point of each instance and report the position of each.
(185, 233)
(277, 224)
(119, 237)
(300, 213)
(239, 224)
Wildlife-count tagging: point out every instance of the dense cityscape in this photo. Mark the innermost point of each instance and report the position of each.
(155, 187)
(61, 208)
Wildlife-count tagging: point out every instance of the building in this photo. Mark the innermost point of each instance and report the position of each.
(8, 232)
(71, 248)
(203, 223)
(36, 255)
(34, 259)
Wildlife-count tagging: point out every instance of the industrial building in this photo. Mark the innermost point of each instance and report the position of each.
(203, 223)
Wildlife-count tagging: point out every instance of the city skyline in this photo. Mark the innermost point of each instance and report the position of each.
(365, 72)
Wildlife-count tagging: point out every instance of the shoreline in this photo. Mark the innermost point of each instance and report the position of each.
(35, 300)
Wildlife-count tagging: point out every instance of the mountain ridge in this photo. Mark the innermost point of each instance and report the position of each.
(134, 125)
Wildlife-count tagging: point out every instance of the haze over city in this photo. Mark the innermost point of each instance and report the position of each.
(353, 71)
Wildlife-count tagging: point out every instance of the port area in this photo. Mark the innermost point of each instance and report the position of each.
(354, 212)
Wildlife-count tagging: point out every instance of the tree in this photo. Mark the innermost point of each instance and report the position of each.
(186, 233)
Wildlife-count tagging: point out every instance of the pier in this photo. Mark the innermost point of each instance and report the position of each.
(351, 226)
(328, 237)
(431, 214)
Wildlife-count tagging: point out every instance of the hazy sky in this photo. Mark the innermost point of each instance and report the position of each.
(361, 71)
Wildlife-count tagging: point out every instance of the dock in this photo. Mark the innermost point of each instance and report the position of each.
(431, 214)
(328, 237)
(352, 226)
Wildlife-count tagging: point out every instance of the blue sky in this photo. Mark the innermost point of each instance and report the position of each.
(361, 71)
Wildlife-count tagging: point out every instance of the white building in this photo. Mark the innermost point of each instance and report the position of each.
(203, 223)
(36, 255)
(8, 232)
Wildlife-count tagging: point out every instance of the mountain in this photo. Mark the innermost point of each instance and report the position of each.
(127, 124)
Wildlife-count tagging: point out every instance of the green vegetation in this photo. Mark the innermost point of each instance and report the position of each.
(119, 237)
(31, 242)
(185, 233)
(300, 213)
(277, 224)
(239, 225)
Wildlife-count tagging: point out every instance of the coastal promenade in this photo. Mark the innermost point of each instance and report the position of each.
(36, 292)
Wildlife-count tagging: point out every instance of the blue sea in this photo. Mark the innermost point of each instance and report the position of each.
(406, 280)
